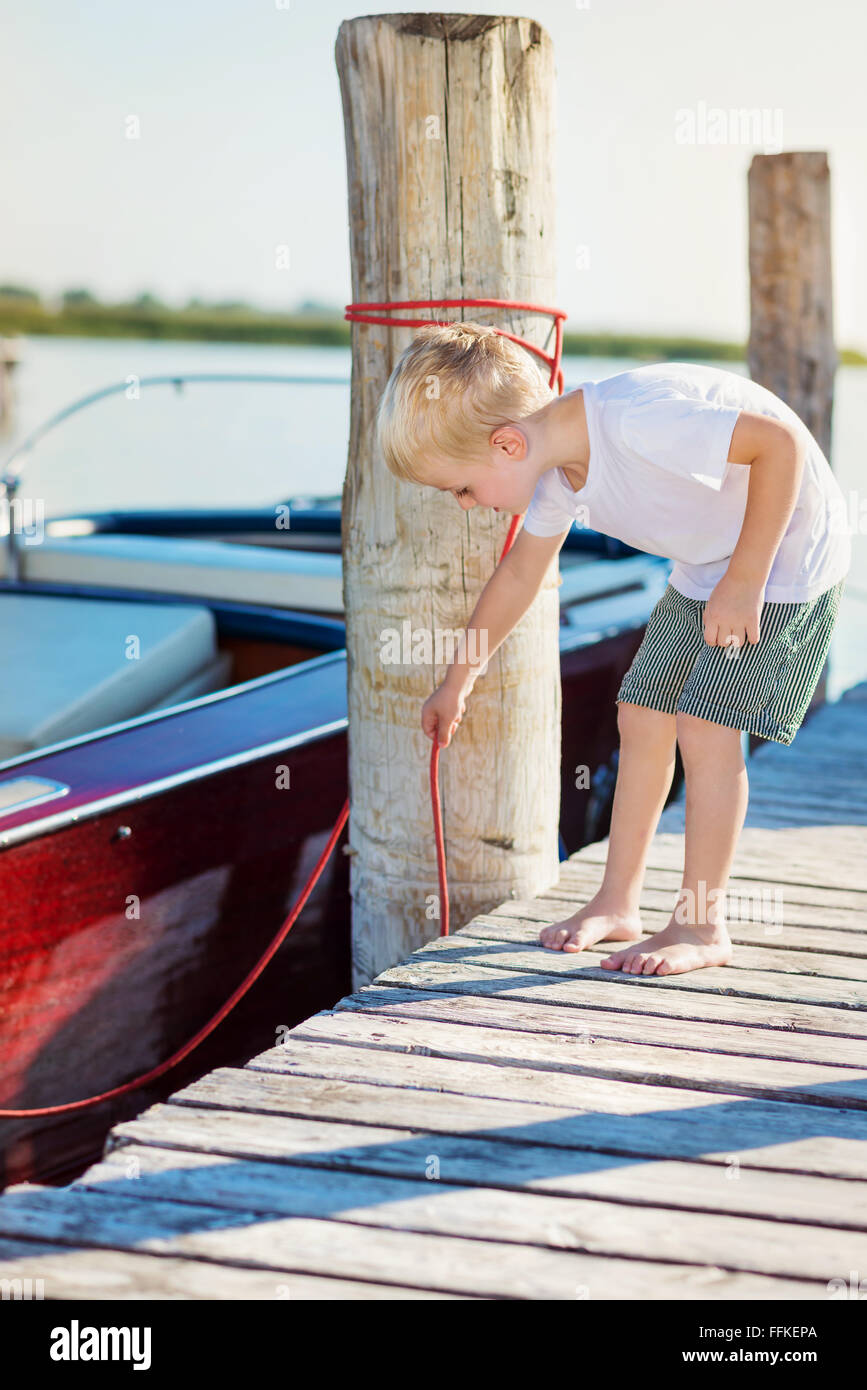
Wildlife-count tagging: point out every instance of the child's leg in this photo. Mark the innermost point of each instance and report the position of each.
(766, 690)
(644, 773)
(716, 803)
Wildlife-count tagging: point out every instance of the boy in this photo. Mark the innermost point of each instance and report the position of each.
(694, 463)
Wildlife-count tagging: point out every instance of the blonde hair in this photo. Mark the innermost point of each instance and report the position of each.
(480, 379)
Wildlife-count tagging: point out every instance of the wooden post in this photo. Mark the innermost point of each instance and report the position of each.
(449, 135)
(9, 359)
(791, 347)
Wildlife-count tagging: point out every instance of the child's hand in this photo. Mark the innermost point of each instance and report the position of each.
(441, 713)
(733, 608)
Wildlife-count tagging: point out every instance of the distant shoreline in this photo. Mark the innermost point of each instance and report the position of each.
(245, 325)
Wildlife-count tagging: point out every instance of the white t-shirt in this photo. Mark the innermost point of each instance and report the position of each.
(659, 479)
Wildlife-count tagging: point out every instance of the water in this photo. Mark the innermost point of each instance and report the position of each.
(254, 445)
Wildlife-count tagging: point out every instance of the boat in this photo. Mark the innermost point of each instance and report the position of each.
(168, 677)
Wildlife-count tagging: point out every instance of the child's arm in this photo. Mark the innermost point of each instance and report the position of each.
(502, 603)
(775, 452)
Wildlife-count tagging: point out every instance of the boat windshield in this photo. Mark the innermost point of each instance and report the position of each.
(185, 440)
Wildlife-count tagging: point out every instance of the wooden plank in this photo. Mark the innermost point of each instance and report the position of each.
(661, 887)
(625, 1117)
(128, 1274)
(584, 1054)
(487, 927)
(493, 1269)
(778, 819)
(747, 983)
(813, 772)
(836, 904)
(555, 906)
(797, 809)
(809, 779)
(777, 811)
(582, 1024)
(819, 926)
(753, 1245)
(822, 856)
(729, 1185)
(641, 1065)
(600, 990)
(797, 773)
(799, 784)
(759, 848)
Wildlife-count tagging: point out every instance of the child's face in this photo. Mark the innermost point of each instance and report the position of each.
(477, 485)
(503, 484)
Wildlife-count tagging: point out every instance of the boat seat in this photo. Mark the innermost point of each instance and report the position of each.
(69, 666)
(195, 569)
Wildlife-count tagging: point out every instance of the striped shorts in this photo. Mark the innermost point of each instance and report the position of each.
(764, 687)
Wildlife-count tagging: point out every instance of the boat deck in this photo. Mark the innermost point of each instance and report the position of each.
(490, 1119)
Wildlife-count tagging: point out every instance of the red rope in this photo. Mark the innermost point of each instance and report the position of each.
(435, 789)
(353, 314)
(221, 1014)
(553, 359)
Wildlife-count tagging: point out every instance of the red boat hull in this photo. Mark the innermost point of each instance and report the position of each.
(126, 929)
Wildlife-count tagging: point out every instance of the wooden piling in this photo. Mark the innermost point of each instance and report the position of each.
(9, 360)
(791, 347)
(449, 135)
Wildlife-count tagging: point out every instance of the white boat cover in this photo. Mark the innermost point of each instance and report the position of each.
(69, 666)
(201, 569)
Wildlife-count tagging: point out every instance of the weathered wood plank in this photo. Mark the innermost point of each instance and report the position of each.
(622, 1116)
(832, 901)
(581, 1054)
(495, 1011)
(840, 791)
(604, 989)
(487, 927)
(772, 818)
(823, 856)
(845, 799)
(554, 906)
(794, 809)
(797, 1192)
(128, 1274)
(757, 1246)
(691, 1072)
(798, 781)
(494, 1269)
(747, 983)
(805, 926)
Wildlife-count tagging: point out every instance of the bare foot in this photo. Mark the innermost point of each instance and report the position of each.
(673, 951)
(593, 922)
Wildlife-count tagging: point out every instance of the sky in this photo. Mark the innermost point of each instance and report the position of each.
(241, 149)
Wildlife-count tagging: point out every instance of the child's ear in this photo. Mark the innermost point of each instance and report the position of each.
(511, 440)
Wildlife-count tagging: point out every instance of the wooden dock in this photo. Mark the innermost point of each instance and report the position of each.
(490, 1119)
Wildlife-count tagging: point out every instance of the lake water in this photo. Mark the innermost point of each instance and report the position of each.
(249, 445)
